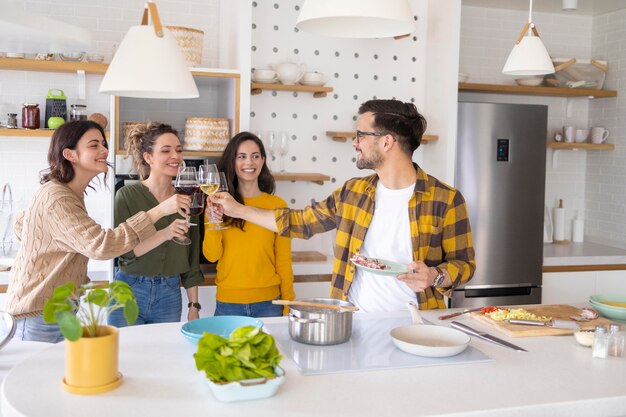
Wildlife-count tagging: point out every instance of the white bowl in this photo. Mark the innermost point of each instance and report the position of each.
(428, 340)
(249, 389)
(585, 337)
(529, 82)
(72, 56)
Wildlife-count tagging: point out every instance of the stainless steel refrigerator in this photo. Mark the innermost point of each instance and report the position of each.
(500, 170)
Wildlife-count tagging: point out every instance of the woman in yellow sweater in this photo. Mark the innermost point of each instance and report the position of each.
(253, 263)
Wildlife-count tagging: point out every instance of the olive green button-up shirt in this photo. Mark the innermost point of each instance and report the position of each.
(440, 230)
(167, 259)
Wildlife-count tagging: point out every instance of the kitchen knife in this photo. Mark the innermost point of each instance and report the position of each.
(458, 313)
(485, 336)
(557, 324)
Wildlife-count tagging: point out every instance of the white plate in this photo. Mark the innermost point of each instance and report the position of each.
(313, 83)
(430, 341)
(393, 268)
(268, 81)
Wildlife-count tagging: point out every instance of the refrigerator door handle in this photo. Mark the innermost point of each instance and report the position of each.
(497, 291)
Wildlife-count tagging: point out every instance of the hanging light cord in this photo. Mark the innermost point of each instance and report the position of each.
(156, 21)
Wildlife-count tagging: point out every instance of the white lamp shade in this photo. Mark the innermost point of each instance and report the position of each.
(30, 33)
(529, 57)
(147, 66)
(356, 18)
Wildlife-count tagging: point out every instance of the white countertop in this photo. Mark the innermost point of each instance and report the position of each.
(585, 253)
(556, 377)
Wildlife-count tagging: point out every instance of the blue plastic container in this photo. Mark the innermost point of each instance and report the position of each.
(220, 325)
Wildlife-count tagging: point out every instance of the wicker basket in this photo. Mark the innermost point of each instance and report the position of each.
(206, 134)
(189, 41)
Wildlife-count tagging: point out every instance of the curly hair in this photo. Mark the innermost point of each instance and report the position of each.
(400, 119)
(141, 139)
(226, 165)
(66, 137)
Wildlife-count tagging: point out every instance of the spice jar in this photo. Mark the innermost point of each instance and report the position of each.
(616, 340)
(600, 347)
(30, 116)
(78, 112)
(12, 120)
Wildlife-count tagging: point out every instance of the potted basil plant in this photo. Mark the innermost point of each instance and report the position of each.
(91, 351)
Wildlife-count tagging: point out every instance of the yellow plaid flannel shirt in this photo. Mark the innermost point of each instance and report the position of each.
(440, 230)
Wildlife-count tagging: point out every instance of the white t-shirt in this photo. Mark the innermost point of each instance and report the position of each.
(388, 237)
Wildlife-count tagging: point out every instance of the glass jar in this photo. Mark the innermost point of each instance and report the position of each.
(12, 120)
(78, 112)
(30, 116)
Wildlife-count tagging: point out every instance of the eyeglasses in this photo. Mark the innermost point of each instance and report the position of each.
(360, 134)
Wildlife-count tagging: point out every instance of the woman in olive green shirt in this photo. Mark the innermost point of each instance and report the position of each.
(155, 270)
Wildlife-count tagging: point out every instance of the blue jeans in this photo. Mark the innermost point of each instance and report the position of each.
(158, 298)
(261, 309)
(35, 329)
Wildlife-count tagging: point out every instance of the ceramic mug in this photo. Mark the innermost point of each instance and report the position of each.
(313, 77)
(581, 135)
(599, 134)
(568, 133)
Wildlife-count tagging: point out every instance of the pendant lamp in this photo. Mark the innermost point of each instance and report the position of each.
(529, 55)
(24, 32)
(149, 64)
(356, 18)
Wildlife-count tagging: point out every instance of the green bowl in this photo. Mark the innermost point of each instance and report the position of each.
(608, 311)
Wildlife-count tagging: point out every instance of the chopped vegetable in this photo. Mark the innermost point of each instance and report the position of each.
(502, 314)
(248, 353)
(490, 309)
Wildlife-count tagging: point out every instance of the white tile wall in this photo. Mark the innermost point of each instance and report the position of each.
(606, 172)
(487, 36)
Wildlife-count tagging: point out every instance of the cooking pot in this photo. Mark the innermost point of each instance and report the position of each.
(320, 326)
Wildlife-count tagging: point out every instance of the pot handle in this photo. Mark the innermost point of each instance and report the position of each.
(304, 321)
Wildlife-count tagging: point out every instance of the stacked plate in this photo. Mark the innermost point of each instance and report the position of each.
(609, 306)
(219, 325)
(265, 80)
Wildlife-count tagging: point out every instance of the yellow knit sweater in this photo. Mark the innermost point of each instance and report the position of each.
(253, 264)
(57, 238)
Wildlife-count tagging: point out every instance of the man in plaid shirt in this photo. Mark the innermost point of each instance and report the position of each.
(400, 214)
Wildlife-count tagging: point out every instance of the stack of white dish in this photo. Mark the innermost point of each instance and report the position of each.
(313, 79)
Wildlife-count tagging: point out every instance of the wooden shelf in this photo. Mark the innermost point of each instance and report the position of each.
(33, 133)
(51, 66)
(185, 153)
(296, 176)
(536, 91)
(318, 91)
(307, 256)
(344, 136)
(582, 146)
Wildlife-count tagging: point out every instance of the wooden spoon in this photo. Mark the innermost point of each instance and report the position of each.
(316, 305)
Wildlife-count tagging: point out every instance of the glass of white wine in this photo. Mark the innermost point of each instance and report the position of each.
(209, 180)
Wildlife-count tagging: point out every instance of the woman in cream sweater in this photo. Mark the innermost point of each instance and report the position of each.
(57, 236)
(253, 263)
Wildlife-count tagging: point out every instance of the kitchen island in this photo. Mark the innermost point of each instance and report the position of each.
(556, 377)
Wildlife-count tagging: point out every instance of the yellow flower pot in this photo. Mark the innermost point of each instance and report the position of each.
(91, 363)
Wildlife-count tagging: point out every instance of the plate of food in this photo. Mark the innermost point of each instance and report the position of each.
(379, 266)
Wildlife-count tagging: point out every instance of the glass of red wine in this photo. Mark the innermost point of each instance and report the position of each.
(187, 183)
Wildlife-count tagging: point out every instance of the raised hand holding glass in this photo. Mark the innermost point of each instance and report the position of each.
(186, 183)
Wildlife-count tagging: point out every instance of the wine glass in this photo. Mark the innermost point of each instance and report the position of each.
(186, 183)
(216, 223)
(271, 145)
(209, 184)
(283, 148)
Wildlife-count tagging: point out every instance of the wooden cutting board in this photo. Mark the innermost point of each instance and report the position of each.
(556, 311)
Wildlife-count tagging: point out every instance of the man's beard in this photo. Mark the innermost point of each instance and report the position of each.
(369, 163)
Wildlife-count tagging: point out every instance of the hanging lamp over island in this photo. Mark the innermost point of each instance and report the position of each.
(149, 64)
(529, 55)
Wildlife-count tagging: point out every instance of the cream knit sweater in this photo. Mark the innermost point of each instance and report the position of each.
(57, 238)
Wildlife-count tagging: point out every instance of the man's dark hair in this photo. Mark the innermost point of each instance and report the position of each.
(402, 120)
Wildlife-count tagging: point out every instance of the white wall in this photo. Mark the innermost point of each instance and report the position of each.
(487, 36)
(421, 68)
(606, 173)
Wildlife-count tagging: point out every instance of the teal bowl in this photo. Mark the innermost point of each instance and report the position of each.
(219, 325)
(609, 311)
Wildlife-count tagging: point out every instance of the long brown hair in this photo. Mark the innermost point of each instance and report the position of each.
(141, 139)
(226, 165)
(66, 137)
